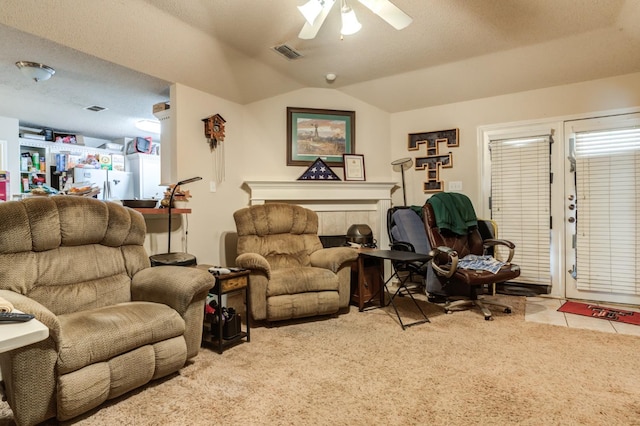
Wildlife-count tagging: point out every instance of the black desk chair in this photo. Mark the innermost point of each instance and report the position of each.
(407, 233)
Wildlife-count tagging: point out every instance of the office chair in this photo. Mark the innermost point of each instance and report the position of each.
(452, 229)
(407, 233)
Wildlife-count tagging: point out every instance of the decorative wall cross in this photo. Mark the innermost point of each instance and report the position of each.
(434, 159)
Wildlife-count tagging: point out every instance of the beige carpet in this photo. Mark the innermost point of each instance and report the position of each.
(362, 368)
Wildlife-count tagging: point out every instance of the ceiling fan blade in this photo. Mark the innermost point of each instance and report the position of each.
(389, 12)
(309, 31)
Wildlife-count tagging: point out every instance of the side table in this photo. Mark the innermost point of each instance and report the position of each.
(366, 283)
(14, 335)
(227, 284)
(17, 334)
(396, 256)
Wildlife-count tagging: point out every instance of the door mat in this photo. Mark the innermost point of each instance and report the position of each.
(603, 312)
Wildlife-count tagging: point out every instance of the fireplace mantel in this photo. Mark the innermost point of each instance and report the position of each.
(319, 191)
(329, 196)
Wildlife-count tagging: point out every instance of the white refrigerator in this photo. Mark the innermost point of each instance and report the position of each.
(113, 184)
(146, 176)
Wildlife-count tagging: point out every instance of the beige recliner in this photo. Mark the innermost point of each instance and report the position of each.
(78, 264)
(292, 275)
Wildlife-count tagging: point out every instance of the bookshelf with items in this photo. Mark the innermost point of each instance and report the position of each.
(33, 165)
(55, 159)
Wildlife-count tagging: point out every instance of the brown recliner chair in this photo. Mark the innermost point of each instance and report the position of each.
(115, 323)
(449, 246)
(292, 275)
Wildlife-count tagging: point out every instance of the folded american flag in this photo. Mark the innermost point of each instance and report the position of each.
(319, 171)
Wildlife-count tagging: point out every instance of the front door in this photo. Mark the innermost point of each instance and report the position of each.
(602, 209)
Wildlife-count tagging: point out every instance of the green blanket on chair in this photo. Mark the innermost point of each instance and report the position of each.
(453, 211)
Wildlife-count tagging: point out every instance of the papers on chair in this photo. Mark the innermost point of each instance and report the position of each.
(482, 263)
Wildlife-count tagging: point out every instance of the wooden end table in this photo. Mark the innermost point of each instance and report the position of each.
(366, 283)
(227, 284)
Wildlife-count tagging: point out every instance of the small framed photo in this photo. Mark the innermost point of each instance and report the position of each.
(353, 167)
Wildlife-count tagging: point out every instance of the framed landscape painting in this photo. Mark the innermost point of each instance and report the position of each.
(319, 133)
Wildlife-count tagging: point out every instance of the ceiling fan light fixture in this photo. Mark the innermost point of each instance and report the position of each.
(311, 10)
(35, 71)
(388, 12)
(350, 23)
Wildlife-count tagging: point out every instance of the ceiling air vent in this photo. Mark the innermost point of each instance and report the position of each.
(95, 108)
(287, 52)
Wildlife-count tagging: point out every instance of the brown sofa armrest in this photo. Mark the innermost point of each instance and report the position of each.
(30, 306)
(174, 286)
(333, 258)
(254, 261)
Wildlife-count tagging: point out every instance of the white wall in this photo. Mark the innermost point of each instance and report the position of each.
(212, 211)
(255, 149)
(591, 96)
(9, 128)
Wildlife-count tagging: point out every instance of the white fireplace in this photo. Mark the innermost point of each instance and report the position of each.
(338, 204)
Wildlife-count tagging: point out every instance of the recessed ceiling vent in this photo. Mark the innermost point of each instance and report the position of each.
(287, 52)
(95, 108)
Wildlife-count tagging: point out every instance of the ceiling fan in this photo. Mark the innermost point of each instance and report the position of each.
(316, 11)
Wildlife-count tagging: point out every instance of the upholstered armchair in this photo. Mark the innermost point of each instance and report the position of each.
(115, 323)
(292, 275)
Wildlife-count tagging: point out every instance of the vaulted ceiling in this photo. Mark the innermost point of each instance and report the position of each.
(124, 55)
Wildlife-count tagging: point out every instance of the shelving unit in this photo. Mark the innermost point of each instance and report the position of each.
(227, 284)
(47, 152)
(29, 173)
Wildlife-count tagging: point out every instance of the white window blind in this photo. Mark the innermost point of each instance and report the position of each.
(520, 202)
(608, 210)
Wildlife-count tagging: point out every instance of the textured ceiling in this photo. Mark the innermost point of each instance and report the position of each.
(124, 55)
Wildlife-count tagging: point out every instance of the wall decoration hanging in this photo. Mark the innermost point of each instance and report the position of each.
(434, 158)
(354, 167)
(214, 132)
(319, 171)
(319, 133)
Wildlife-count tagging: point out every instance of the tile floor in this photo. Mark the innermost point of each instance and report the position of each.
(545, 310)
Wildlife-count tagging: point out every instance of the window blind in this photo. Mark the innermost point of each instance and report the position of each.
(520, 202)
(608, 210)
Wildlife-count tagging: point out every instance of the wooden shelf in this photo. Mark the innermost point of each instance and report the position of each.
(163, 211)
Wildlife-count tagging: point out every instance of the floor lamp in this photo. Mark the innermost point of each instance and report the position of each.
(401, 165)
(168, 258)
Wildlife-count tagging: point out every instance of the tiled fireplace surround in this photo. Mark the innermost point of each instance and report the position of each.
(338, 204)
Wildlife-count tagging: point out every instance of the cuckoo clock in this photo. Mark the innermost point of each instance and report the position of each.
(214, 130)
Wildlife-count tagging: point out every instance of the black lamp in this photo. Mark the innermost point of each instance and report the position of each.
(168, 258)
(403, 164)
(173, 191)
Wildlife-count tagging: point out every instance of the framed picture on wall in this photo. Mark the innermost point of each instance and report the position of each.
(319, 133)
(353, 167)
